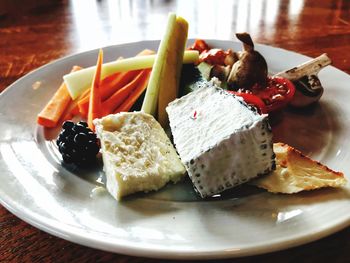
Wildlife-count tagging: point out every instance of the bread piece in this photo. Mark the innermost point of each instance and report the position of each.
(137, 154)
(296, 172)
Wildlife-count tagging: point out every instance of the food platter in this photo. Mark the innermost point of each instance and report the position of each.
(174, 222)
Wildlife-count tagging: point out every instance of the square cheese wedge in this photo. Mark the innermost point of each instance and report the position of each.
(222, 141)
(137, 154)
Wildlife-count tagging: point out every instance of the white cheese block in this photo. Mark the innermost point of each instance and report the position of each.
(221, 140)
(137, 154)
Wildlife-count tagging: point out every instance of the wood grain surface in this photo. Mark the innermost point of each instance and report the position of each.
(33, 33)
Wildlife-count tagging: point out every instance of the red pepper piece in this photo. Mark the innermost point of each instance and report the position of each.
(251, 100)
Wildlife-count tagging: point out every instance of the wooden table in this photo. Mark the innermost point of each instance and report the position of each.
(34, 34)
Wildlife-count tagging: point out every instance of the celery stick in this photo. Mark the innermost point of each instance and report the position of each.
(78, 83)
(150, 101)
(169, 79)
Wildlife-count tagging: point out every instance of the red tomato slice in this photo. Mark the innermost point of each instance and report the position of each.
(199, 45)
(251, 100)
(278, 93)
(214, 56)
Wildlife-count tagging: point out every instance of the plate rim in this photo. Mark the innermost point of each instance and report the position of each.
(85, 240)
(174, 254)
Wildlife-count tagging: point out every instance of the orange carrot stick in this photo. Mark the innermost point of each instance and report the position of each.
(106, 79)
(85, 94)
(135, 94)
(110, 84)
(95, 97)
(85, 97)
(54, 109)
(119, 96)
(108, 88)
(71, 111)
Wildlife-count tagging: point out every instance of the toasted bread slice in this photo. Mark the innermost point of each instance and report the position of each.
(296, 172)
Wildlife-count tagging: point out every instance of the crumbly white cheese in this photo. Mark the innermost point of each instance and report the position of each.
(220, 139)
(137, 154)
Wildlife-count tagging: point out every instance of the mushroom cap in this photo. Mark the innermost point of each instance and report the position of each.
(249, 70)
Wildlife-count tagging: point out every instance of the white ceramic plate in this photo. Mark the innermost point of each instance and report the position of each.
(172, 223)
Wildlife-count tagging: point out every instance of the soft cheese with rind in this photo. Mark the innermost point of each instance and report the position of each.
(296, 172)
(137, 154)
(220, 139)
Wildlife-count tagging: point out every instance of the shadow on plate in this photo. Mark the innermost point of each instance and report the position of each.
(310, 130)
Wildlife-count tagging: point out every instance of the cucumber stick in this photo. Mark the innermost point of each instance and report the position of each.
(78, 83)
(170, 79)
(163, 84)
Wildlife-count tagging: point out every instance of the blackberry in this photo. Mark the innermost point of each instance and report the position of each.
(77, 144)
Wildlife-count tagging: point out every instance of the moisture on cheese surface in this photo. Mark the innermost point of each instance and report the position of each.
(220, 139)
(137, 154)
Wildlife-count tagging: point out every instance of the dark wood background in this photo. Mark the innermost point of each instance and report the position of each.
(33, 33)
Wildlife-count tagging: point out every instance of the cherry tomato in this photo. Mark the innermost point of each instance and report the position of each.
(278, 93)
(199, 45)
(251, 100)
(214, 56)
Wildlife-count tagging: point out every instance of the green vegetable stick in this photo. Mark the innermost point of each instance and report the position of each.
(169, 80)
(78, 83)
(150, 101)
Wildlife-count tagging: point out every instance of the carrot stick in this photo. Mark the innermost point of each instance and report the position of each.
(84, 99)
(54, 109)
(110, 84)
(135, 94)
(107, 89)
(95, 97)
(109, 81)
(71, 111)
(83, 103)
(120, 95)
(86, 93)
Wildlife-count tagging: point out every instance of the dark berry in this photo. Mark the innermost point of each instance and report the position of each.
(83, 123)
(67, 125)
(92, 136)
(79, 128)
(61, 147)
(67, 158)
(81, 138)
(77, 144)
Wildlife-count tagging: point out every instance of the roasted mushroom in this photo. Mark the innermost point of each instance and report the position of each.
(250, 69)
(308, 87)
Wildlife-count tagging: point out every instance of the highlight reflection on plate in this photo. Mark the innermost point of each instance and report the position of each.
(174, 222)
